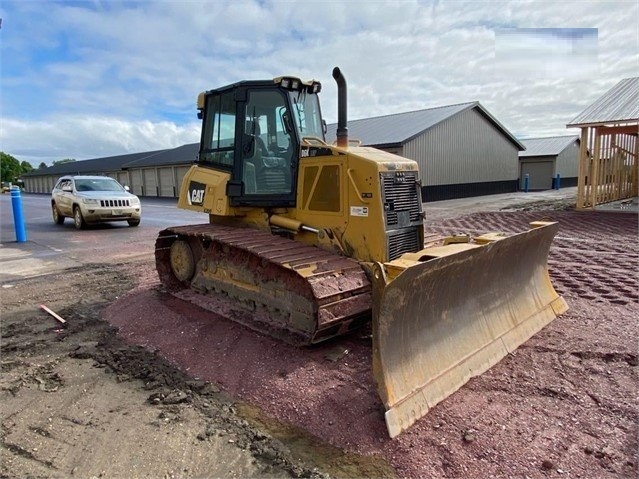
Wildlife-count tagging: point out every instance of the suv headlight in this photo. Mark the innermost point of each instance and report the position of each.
(135, 201)
(90, 201)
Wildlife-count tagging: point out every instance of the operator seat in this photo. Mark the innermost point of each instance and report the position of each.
(262, 173)
(253, 148)
(254, 145)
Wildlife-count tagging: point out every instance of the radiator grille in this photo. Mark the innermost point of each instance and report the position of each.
(403, 241)
(401, 195)
(113, 203)
(401, 198)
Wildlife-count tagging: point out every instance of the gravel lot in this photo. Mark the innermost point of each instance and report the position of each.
(141, 384)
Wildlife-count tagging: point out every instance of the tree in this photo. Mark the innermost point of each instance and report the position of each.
(42, 165)
(26, 167)
(11, 169)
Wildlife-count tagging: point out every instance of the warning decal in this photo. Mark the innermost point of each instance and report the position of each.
(359, 210)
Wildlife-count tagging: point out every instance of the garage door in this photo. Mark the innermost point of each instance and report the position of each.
(539, 175)
(123, 178)
(167, 184)
(136, 182)
(150, 182)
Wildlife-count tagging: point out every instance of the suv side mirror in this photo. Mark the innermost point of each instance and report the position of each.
(126, 187)
(67, 188)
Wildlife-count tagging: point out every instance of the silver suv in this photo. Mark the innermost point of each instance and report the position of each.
(93, 199)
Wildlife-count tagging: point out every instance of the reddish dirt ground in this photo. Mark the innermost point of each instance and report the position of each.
(563, 405)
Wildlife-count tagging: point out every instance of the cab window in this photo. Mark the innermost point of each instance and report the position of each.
(218, 133)
(306, 115)
(267, 147)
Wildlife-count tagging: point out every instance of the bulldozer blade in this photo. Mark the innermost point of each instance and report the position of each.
(445, 320)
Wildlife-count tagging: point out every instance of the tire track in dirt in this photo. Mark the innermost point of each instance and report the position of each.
(540, 410)
(593, 255)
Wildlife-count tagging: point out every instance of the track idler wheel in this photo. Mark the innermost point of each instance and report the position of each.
(182, 260)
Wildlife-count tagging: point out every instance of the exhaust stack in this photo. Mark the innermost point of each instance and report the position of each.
(342, 117)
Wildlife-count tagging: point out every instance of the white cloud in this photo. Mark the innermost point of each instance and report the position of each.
(85, 80)
(84, 137)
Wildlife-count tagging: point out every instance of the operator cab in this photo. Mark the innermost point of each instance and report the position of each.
(254, 130)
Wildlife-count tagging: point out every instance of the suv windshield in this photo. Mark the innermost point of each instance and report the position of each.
(98, 184)
(306, 114)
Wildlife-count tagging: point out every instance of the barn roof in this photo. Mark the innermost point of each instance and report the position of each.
(399, 128)
(548, 146)
(617, 105)
(93, 165)
(180, 155)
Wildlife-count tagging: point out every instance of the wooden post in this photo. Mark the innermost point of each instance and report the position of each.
(635, 168)
(583, 169)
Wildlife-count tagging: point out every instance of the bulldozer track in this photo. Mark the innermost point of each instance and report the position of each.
(272, 284)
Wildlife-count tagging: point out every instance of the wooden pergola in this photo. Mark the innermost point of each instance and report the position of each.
(609, 150)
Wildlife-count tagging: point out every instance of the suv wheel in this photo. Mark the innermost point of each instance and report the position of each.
(57, 217)
(78, 219)
(133, 222)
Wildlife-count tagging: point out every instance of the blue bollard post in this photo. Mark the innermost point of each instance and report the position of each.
(18, 217)
(557, 181)
(526, 181)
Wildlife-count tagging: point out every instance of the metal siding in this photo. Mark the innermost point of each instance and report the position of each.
(464, 149)
(395, 128)
(167, 182)
(540, 174)
(149, 176)
(568, 162)
(398, 128)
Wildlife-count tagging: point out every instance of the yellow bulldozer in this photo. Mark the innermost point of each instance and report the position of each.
(308, 240)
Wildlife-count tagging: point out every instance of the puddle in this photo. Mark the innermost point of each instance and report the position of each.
(312, 450)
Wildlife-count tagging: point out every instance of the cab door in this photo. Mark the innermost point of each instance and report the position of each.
(247, 132)
(266, 155)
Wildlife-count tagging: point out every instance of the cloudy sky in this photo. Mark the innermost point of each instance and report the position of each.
(107, 77)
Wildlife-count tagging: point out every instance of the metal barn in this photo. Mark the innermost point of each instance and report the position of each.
(161, 174)
(549, 162)
(462, 150)
(154, 173)
(44, 179)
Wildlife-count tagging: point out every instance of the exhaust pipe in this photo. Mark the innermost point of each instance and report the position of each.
(342, 121)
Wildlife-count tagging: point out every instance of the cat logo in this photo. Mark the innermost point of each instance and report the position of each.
(197, 196)
(196, 193)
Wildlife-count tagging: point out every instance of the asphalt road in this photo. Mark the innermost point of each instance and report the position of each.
(51, 247)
